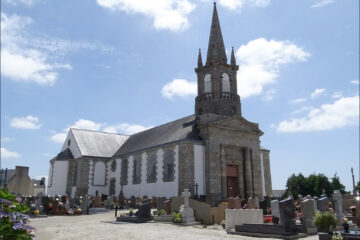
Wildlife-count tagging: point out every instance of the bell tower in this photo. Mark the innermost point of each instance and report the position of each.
(217, 85)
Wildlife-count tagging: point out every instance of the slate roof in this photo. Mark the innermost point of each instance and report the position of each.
(64, 155)
(97, 144)
(181, 129)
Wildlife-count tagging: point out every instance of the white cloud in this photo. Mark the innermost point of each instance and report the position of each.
(125, 128)
(17, 2)
(36, 65)
(28, 122)
(322, 3)
(7, 139)
(238, 4)
(317, 92)
(179, 87)
(36, 57)
(260, 61)
(6, 154)
(337, 95)
(356, 82)
(269, 95)
(343, 112)
(166, 14)
(299, 100)
(58, 137)
(86, 124)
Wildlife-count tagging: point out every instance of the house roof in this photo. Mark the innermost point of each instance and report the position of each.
(97, 144)
(181, 129)
(64, 155)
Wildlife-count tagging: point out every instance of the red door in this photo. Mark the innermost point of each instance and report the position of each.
(232, 180)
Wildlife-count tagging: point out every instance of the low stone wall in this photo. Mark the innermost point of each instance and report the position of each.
(242, 216)
(202, 211)
(218, 213)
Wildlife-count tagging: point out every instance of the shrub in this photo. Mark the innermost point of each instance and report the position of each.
(323, 221)
(161, 212)
(13, 221)
(177, 218)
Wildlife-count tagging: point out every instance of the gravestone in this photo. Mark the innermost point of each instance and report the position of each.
(97, 202)
(231, 202)
(154, 202)
(315, 202)
(133, 202)
(85, 205)
(237, 203)
(251, 204)
(337, 198)
(257, 201)
(323, 204)
(263, 204)
(39, 204)
(300, 198)
(187, 213)
(288, 215)
(161, 203)
(308, 213)
(167, 206)
(275, 211)
(234, 217)
(144, 211)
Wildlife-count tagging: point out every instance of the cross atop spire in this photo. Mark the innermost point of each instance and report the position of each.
(216, 49)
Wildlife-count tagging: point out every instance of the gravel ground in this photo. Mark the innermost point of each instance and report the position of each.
(102, 226)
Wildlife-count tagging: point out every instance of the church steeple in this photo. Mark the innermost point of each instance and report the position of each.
(233, 60)
(217, 84)
(216, 49)
(200, 64)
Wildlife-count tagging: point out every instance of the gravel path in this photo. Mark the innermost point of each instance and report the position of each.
(102, 226)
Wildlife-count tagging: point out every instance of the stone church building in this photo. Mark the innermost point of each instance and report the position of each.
(216, 150)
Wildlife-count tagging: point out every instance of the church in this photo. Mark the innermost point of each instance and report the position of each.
(215, 152)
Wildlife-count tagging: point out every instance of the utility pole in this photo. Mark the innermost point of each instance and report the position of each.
(353, 178)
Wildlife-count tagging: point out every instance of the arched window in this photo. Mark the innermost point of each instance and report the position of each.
(99, 173)
(207, 83)
(225, 82)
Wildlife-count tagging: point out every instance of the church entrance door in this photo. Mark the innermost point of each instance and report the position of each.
(232, 175)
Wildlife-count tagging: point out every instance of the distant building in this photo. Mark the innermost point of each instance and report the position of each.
(18, 181)
(215, 151)
(38, 186)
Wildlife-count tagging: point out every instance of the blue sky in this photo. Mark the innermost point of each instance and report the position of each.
(124, 66)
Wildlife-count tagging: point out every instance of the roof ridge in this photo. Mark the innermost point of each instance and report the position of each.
(162, 125)
(99, 131)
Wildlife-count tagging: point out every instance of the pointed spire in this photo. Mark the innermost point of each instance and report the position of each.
(216, 49)
(233, 60)
(200, 64)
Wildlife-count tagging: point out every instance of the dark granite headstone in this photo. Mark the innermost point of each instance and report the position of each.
(133, 202)
(288, 215)
(154, 202)
(161, 203)
(144, 211)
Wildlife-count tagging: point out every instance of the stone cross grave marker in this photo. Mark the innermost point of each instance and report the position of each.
(337, 198)
(187, 213)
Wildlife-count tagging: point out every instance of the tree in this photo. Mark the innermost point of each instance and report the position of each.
(336, 184)
(358, 187)
(314, 184)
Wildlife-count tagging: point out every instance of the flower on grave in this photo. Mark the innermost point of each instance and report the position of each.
(337, 236)
(36, 212)
(344, 220)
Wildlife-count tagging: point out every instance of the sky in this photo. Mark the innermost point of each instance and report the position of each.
(127, 65)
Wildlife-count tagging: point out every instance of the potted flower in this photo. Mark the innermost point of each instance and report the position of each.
(36, 212)
(345, 222)
(131, 212)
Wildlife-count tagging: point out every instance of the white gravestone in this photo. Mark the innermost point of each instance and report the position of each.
(337, 198)
(242, 216)
(187, 213)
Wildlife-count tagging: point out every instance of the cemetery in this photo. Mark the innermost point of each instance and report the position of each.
(321, 217)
